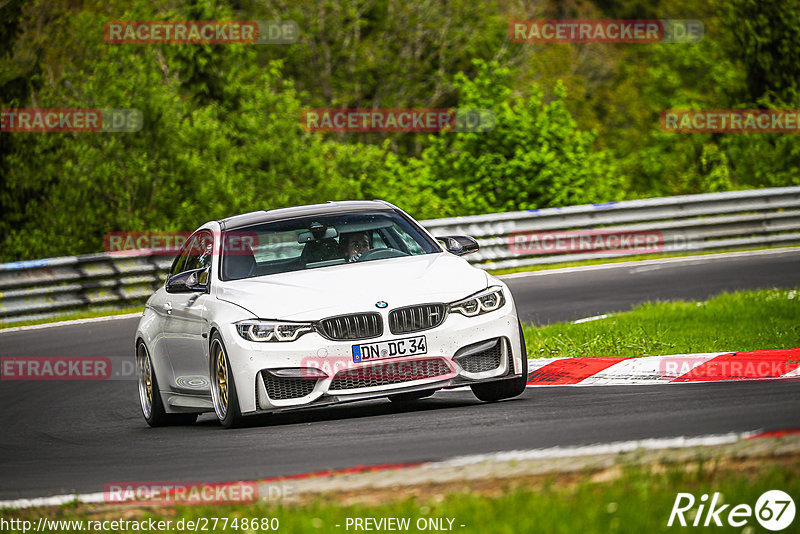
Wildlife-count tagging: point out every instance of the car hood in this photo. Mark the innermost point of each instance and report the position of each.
(326, 291)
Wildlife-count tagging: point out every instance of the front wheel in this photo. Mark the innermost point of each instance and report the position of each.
(149, 397)
(223, 387)
(505, 389)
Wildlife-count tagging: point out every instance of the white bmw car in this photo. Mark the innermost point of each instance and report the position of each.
(314, 305)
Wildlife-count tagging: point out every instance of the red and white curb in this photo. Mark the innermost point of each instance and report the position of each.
(677, 368)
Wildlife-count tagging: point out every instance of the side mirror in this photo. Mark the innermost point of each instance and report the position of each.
(459, 244)
(188, 282)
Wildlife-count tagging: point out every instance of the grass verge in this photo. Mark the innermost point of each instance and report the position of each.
(69, 316)
(633, 499)
(746, 320)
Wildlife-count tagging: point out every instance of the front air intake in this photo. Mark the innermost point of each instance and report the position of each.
(383, 374)
(279, 388)
(481, 357)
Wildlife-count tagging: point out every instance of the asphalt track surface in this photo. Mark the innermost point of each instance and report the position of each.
(60, 437)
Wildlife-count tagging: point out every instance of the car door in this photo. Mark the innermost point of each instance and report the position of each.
(186, 323)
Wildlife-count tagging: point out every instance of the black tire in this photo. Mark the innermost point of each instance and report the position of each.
(149, 397)
(225, 398)
(505, 389)
(411, 396)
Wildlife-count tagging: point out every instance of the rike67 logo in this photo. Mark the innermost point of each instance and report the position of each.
(774, 510)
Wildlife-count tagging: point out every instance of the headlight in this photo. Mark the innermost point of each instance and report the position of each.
(486, 301)
(254, 330)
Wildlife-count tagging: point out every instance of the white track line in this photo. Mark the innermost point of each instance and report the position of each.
(588, 450)
(71, 322)
(661, 261)
(56, 500)
(592, 318)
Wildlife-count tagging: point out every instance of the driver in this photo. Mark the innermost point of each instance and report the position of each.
(354, 245)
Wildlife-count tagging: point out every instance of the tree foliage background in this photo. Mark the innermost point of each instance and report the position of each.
(576, 123)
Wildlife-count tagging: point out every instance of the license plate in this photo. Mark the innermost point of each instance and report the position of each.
(410, 346)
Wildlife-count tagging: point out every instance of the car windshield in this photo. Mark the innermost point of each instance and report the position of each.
(320, 241)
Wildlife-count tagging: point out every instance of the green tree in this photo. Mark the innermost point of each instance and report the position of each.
(535, 157)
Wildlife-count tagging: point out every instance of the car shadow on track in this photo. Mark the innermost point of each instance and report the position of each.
(355, 410)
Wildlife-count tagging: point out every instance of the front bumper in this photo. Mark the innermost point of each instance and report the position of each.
(461, 351)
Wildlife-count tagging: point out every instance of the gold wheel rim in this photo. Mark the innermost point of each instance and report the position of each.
(222, 379)
(145, 381)
(148, 382)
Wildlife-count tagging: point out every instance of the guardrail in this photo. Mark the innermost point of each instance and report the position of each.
(738, 219)
(43, 288)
